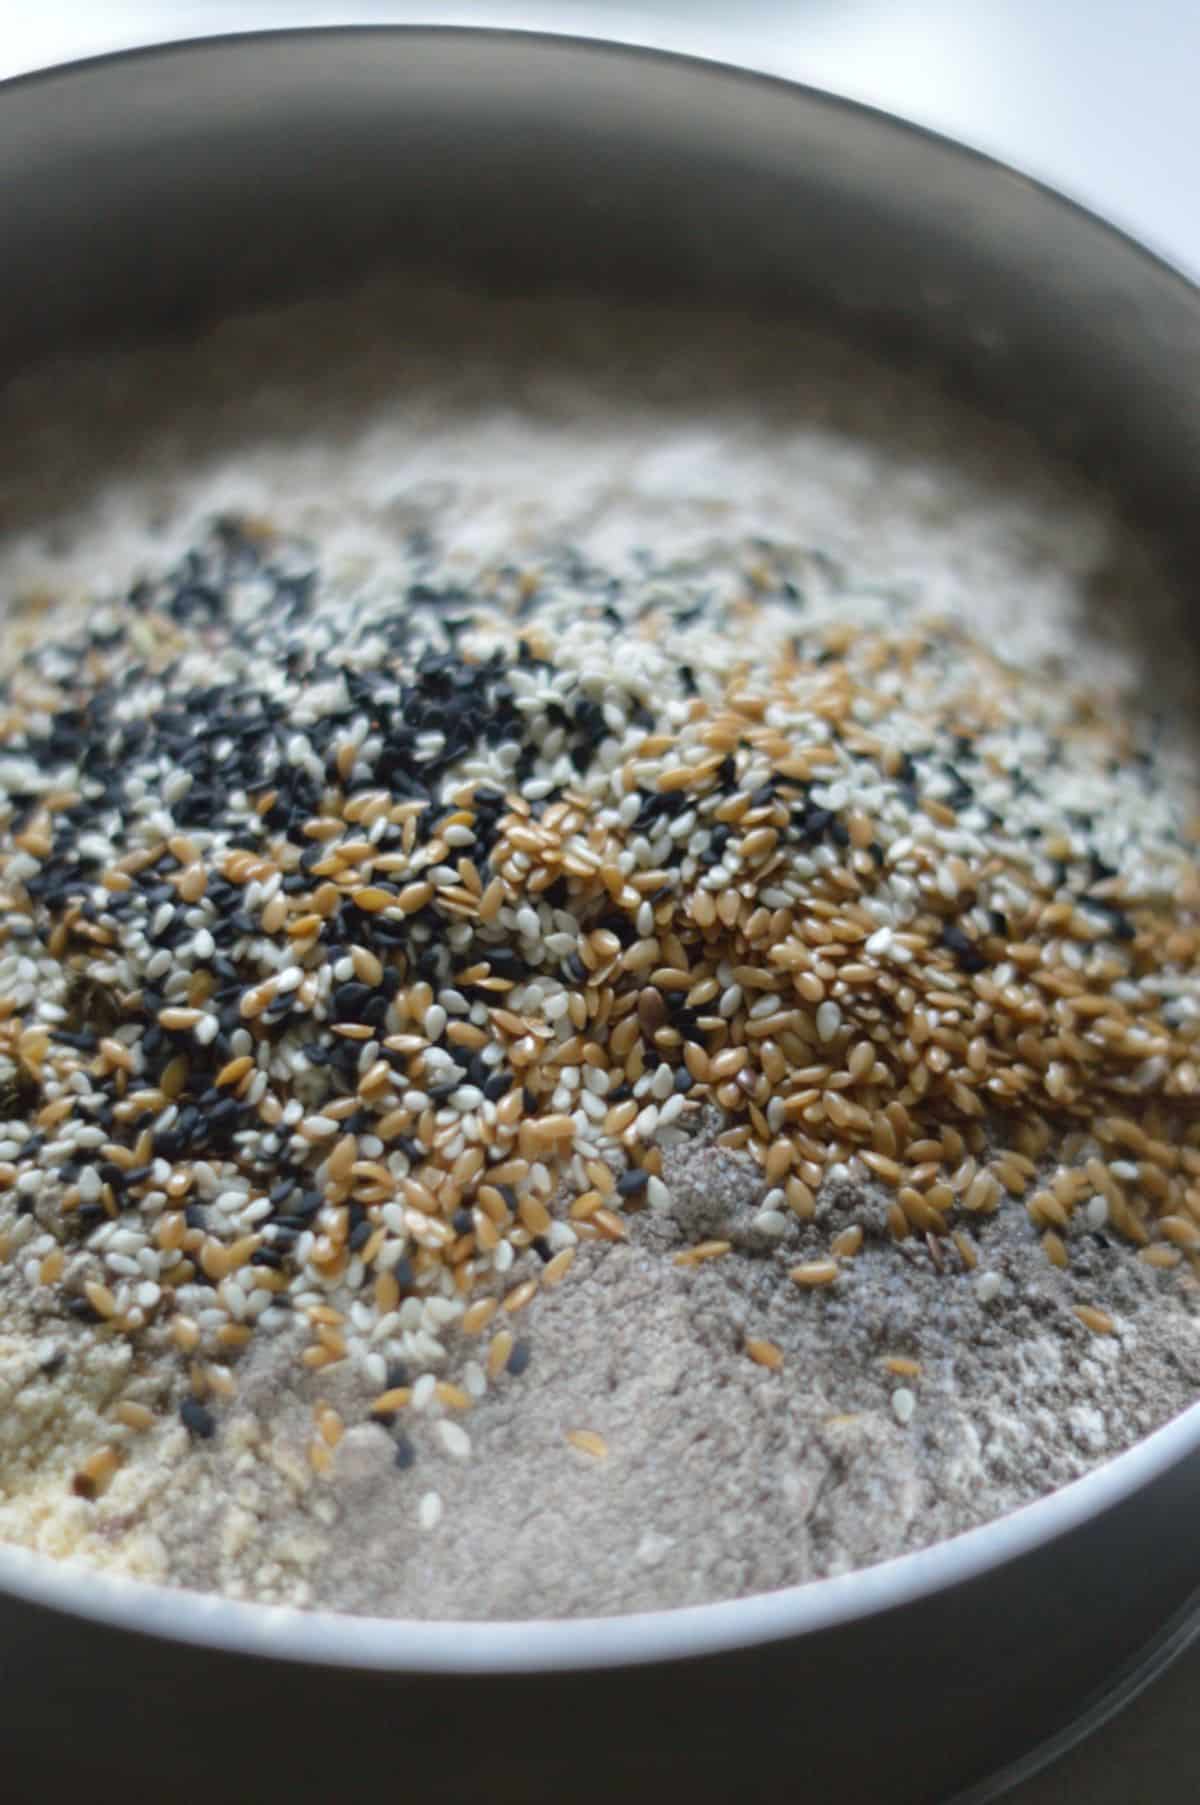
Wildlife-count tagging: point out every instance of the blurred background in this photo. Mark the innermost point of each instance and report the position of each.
(1094, 96)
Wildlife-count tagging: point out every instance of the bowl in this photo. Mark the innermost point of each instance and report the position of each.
(151, 191)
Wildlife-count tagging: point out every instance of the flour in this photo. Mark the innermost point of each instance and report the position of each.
(721, 1478)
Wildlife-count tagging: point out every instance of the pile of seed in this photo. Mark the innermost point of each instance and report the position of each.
(365, 948)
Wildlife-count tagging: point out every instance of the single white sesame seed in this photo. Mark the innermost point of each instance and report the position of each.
(454, 1439)
(646, 1122)
(425, 1386)
(829, 1020)
(903, 1404)
(658, 1195)
(429, 1510)
(474, 1379)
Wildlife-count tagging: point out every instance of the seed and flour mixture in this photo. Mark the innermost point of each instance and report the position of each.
(600, 974)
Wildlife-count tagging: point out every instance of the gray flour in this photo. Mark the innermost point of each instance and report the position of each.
(722, 1478)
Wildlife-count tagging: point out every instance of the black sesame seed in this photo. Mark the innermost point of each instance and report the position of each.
(197, 1419)
(965, 950)
(349, 1000)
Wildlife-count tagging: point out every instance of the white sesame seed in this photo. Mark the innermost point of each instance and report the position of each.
(903, 1404)
(645, 1123)
(1096, 1212)
(454, 1439)
(829, 1020)
(423, 1390)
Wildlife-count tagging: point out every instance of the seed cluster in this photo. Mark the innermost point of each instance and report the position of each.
(366, 944)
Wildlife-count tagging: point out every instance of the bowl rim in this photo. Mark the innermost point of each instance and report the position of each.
(536, 39)
(526, 1646)
(633, 1639)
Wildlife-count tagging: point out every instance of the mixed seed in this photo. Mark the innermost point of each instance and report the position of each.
(366, 945)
